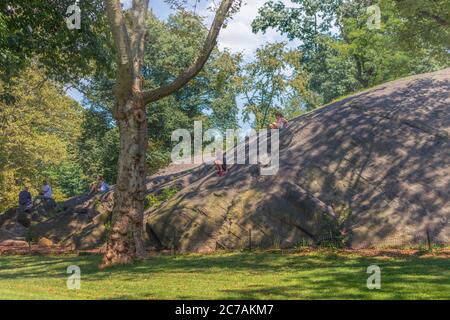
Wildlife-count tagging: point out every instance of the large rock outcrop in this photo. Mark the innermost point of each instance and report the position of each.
(380, 160)
(370, 170)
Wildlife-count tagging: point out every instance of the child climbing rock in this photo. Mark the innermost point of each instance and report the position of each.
(220, 163)
(280, 123)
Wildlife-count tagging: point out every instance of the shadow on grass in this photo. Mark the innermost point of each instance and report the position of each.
(406, 279)
(321, 276)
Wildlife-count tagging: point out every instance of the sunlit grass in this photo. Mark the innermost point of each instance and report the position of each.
(261, 275)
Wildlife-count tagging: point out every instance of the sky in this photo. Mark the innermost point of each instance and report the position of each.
(237, 36)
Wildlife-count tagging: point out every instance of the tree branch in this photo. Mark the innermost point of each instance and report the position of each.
(139, 15)
(193, 69)
(443, 22)
(439, 20)
(122, 44)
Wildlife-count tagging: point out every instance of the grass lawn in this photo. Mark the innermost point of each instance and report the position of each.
(241, 275)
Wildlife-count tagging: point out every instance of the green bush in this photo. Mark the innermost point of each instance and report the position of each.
(168, 193)
(155, 200)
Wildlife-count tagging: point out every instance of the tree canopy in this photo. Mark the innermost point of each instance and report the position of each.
(343, 55)
(274, 81)
(37, 135)
(34, 31)
(91, 138)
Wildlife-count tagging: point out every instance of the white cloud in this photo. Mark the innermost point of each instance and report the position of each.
(239, 36)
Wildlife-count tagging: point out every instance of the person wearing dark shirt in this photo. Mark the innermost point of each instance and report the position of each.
(25, 200)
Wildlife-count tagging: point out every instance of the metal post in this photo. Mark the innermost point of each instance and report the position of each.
(430, 248)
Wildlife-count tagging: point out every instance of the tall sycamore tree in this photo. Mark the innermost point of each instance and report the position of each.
(125, 243)
(30, 30)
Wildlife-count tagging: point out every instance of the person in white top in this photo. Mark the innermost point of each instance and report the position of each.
(99, 186)
(46, 190)
(45, 195)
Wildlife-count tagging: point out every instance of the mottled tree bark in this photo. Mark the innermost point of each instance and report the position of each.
(125, 243)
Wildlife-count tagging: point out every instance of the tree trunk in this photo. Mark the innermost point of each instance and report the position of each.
(360, 72)
(125, 243)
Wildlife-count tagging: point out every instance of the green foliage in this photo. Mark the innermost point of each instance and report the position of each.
(156, 199)
(421, 23)
(34, 36)
(108, 228)
(274, 81)
(151, 200)
(98, 146)
(211, 97)
(168, 193)
(69, 177)
(304, 243)
(32, 30)
(157, 157)
(36, 131)
(305, 21)
(342, 55)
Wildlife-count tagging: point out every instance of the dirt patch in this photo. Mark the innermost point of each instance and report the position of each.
(373, 252)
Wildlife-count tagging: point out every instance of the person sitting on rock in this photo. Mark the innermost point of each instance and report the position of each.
(25, 199)
(104, 187)
(46, 193)
(99, 186)
(94, 186)
(280, 122)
